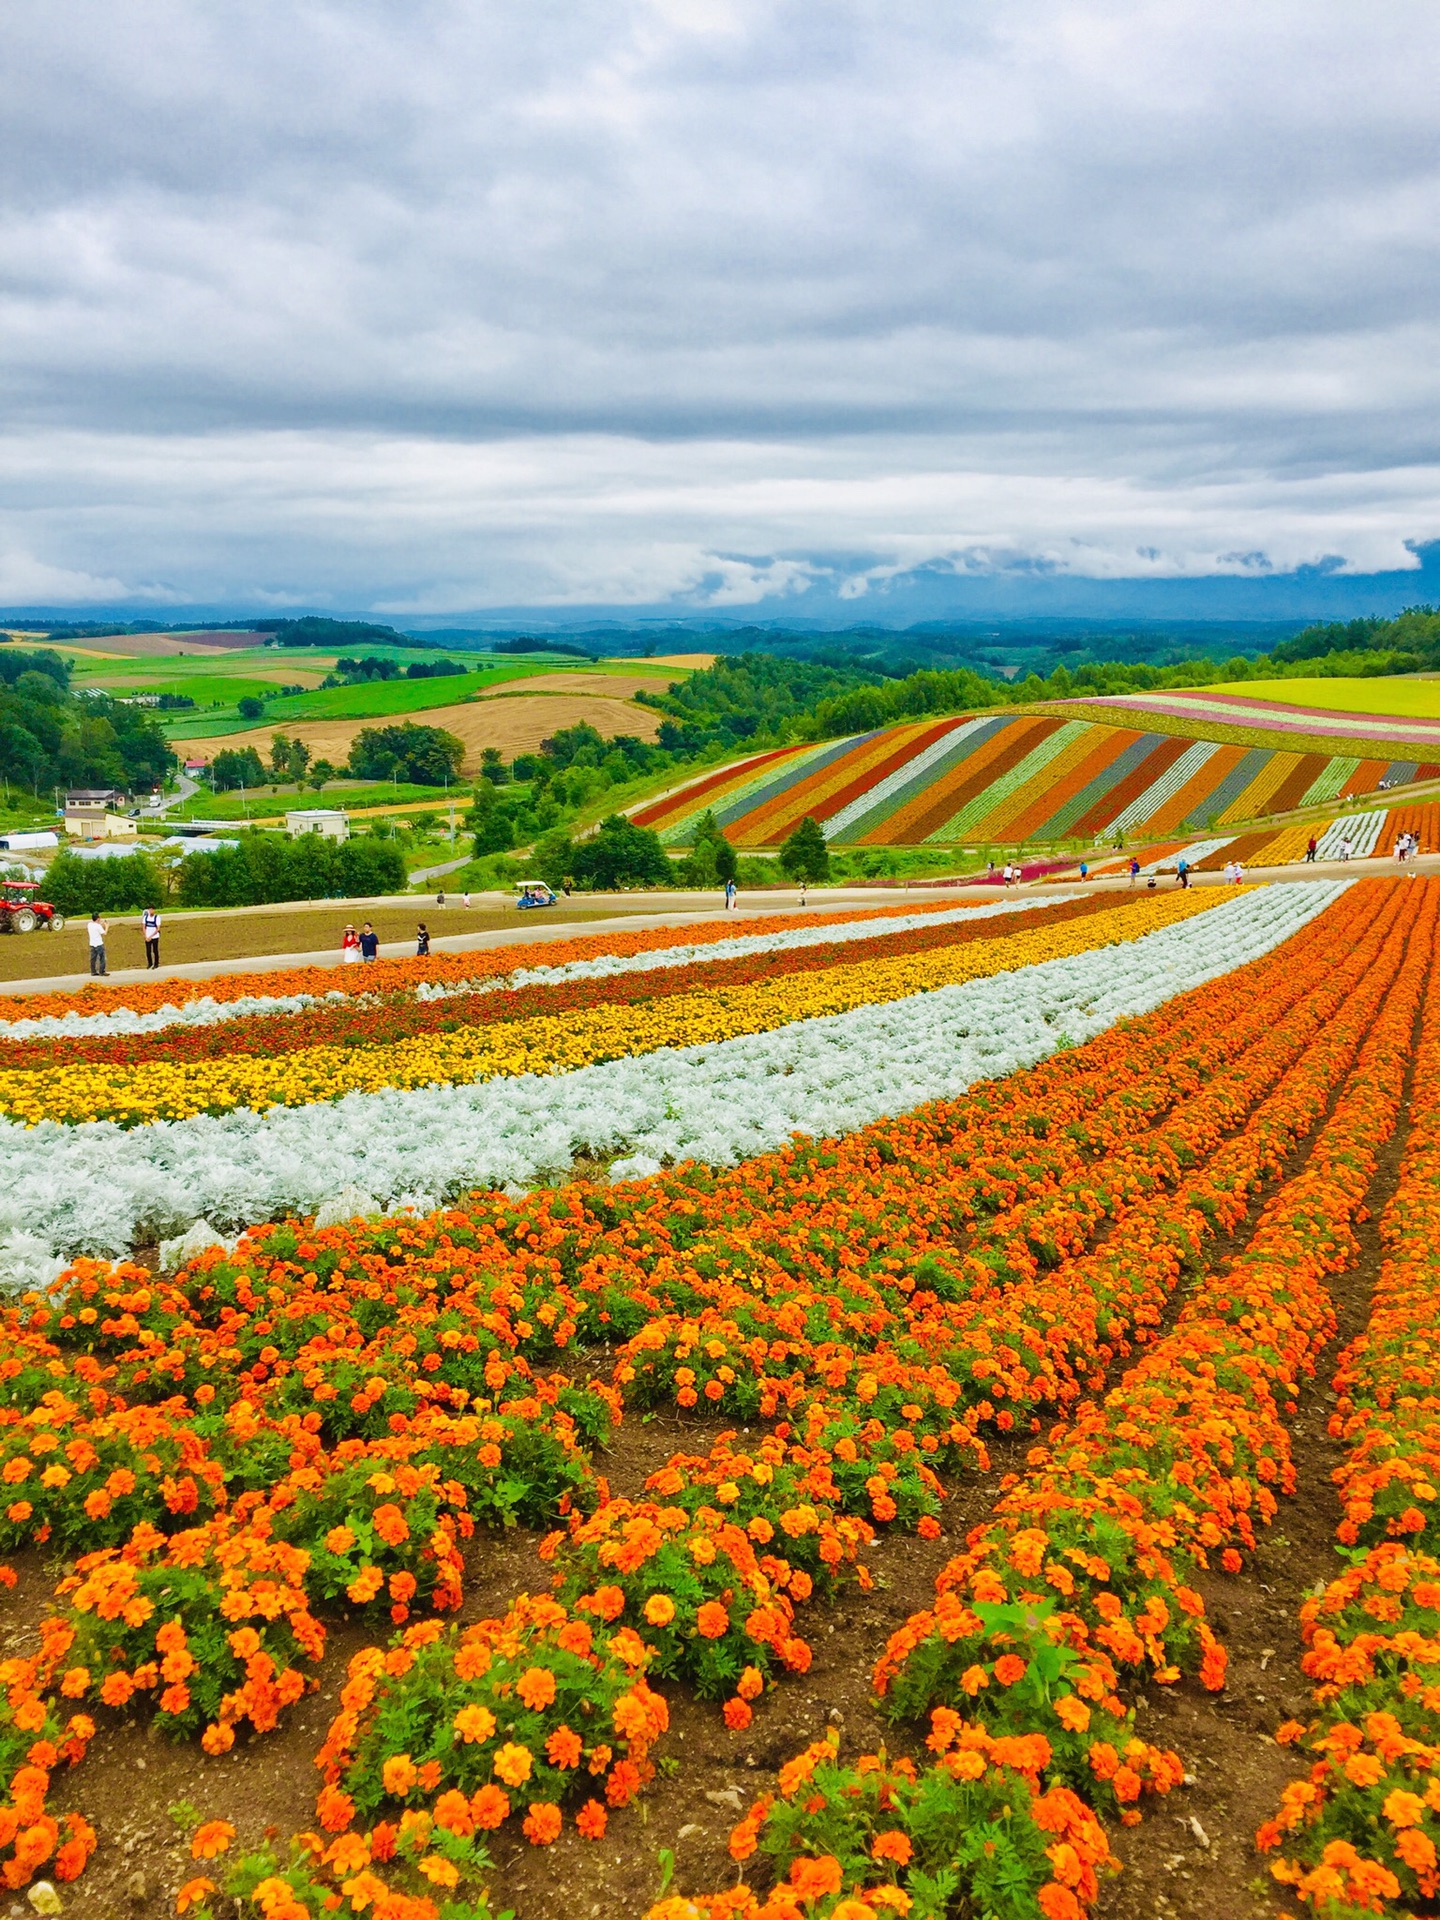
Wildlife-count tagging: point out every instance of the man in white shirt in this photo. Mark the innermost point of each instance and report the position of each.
(97, 931)
(150, 927)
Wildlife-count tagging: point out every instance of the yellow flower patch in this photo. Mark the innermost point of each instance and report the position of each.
(555, 1043)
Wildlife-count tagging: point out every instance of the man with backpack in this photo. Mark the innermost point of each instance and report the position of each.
(150, 927)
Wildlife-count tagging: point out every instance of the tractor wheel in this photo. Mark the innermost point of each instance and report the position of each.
(57, 923)
(24, 921)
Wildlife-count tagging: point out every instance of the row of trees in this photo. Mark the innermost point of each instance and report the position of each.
(261, 867)
(424, 756)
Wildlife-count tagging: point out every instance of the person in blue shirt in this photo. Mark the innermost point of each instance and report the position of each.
(369, 943)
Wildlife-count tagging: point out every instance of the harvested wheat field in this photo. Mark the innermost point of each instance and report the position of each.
(138, 644)
(515, 723)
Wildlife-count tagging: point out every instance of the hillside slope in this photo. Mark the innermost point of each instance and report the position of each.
(1067, 771)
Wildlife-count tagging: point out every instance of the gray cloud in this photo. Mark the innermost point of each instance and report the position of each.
(447, 305)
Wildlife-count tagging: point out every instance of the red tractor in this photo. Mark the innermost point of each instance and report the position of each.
(20, 912)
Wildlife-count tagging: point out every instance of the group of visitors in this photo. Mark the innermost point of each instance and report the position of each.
(1407, 845)
(1234, 872)
(97, 929)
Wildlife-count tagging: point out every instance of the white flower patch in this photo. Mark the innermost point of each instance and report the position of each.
(99, 1188)
(1361, 830)
(208, 1013)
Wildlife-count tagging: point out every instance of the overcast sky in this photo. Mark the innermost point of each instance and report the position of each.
(446, 304)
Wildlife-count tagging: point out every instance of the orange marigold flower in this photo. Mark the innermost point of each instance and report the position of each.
(563, 1748)
(474, 1724)
(1009, 1668)
(513, 1764)
(1417, 1850)
(813, 1879)
(452, 1811)
(591, 1821)
(1403, 1809)
(399, 1775)
(737, 1715)
(712, 1621)
(542, 1823)
(490, 1807)
(334, 1810)
(751, 1684)
(192, 1893)
(893, 1845)
(659, 1609)
(536, 1687)
(214, 1837)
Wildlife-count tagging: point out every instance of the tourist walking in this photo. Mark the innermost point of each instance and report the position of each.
(729, 895)
(150, 927)
(440, 898)
(1182, 872)
(97, 930)
(422, 941)
(369, 943)
(350, 946)
(467, 902)
(802, 892)
(1344, 849)
(1134, 869)
(1312, 848)
(1084, 870)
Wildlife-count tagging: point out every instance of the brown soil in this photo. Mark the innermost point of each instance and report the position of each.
(513, 722)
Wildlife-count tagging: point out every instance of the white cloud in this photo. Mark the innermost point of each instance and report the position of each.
(451, 304)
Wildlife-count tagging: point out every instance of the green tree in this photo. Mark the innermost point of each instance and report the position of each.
(279, 755)
(297, 760)
(427, 755)
(621, 855)
(490, 822)
(553, 860)
(711, 861)
(493, 767)
(250, 707)
(320, 772)
(805, 855)
(236, 768)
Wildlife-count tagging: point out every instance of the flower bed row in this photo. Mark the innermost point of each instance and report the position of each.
(592, 1029)
(1084, 1570)
(1362, 1828)
(530, 965)
(351, 1465)
(369, 1021)
(308, 984)
(96, 1188)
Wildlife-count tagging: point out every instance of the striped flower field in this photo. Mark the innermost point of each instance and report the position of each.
(1013, 778)
(784, 1421)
